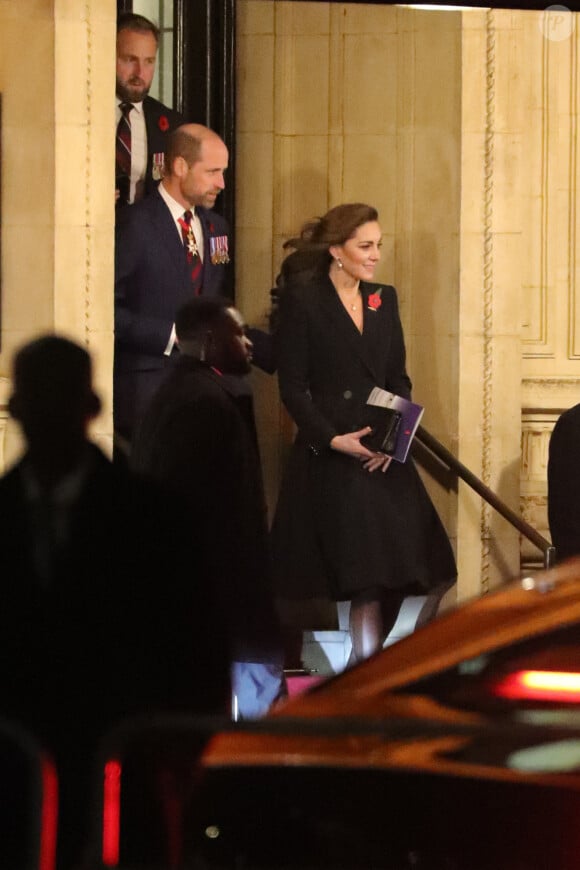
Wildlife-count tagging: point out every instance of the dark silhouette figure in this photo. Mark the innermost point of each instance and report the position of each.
(198, 439)
(564, 484)
(99, 608)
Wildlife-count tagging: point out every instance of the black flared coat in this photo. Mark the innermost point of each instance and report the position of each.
(339, 529)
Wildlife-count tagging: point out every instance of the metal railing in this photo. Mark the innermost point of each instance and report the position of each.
(453, 464)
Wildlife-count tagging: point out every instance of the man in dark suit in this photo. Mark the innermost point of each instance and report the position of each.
(101, 614)
(169, 247)
(564, 484)
(198, 439)
(142, 122)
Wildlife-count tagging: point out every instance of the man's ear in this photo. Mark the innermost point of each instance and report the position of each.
(180, 167)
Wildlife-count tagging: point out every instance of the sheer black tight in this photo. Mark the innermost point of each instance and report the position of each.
(373, 614)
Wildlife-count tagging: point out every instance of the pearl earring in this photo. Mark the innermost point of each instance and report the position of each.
(339, 263)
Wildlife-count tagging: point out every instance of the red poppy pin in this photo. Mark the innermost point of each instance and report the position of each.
(374, 300)
(163, 123)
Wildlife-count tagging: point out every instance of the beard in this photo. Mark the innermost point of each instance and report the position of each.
(132, 91)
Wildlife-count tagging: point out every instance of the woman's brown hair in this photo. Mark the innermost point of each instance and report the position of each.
(334, 228)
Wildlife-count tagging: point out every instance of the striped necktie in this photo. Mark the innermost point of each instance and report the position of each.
(123, 152)
(193, 258)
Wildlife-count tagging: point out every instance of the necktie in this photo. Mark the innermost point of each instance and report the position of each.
(192, 253)
(123, 152)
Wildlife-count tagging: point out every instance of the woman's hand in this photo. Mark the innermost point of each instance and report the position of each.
(350, 443)
(379, 460)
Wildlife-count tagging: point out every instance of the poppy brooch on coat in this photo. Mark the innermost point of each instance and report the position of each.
(163, 123)
(374, 301)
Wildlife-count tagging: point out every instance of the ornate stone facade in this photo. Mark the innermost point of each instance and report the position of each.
(461, 128)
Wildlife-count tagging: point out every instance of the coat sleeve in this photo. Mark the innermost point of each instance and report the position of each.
(293, 372)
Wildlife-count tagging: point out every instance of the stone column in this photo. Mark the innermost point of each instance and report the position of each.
(57, 80)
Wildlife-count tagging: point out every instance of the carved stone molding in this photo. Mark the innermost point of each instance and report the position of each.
(535, 442)
(537, 429)
(551, 383)
(551, 395)
(488, 277)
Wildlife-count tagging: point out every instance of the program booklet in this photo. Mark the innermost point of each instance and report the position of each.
(410, 412)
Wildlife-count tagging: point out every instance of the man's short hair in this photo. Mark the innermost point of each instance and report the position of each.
(180, 143)
(137, 23)
(199, 315)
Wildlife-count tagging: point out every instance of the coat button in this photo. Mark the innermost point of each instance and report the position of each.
(347, 394)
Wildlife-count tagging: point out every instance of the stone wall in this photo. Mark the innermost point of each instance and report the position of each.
(57, 67)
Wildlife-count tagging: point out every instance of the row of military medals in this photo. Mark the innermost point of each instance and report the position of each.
(218, 247)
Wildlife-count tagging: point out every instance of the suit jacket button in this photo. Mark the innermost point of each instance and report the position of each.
(347, 394)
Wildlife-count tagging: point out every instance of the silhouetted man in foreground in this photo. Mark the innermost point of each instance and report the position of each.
(198, 439)
(564, 484)
(99, 608)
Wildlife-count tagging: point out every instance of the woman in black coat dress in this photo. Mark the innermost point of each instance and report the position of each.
(350, 523)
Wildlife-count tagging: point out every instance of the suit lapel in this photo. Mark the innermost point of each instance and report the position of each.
(166, 232)
(150, 133)
(207, 264)
(155, 142)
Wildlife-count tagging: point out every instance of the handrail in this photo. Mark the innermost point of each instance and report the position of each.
(451, 461)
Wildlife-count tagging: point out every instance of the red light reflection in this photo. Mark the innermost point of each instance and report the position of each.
(111, 812)
(540, 686)
(49, 813)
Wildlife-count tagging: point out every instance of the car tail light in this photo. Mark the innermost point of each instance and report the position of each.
(111, 812)
(539, 686)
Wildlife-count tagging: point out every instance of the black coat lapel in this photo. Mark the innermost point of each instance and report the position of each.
(365, 345)
(377, 335)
